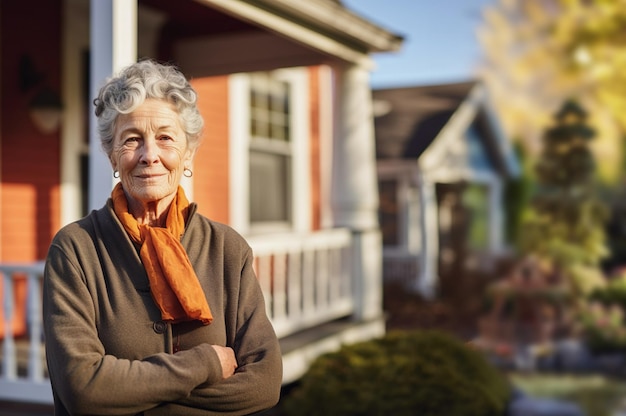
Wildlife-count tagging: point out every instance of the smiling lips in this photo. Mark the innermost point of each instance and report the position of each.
(149, 179)
(149, 175)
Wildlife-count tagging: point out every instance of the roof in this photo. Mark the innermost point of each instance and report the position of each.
(407, 122)
(408, 119)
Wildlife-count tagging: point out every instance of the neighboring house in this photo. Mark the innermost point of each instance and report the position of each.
(288, 157)
(442, 163)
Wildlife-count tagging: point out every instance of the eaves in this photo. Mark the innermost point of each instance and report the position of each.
(323, 25)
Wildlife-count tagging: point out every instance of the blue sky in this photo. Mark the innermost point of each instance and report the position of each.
(440, 41)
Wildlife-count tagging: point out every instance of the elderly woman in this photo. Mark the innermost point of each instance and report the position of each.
(149, 307)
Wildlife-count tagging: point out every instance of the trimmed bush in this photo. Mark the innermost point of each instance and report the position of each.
(426, 373)
(602, 317)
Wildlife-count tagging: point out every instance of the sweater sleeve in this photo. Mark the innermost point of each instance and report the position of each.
(88, 381)
(255, 386)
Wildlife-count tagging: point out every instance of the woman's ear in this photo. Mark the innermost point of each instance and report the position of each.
(189, 155)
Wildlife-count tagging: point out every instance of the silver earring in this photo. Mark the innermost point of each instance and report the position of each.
(188, 173)
(116, 174)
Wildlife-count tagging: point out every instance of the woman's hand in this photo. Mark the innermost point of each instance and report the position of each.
(227, 359)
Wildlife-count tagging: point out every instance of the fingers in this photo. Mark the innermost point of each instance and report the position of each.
(227, 360)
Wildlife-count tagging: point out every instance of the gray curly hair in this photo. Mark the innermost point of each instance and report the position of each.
(141, 81)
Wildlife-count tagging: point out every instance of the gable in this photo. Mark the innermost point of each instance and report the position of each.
(450, 130)
(407, 120)
(464, 156)
(478, 158)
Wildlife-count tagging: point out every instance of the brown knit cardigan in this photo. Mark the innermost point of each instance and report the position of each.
(108, 352)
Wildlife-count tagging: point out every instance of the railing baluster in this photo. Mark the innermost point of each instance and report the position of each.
(279, 292)
(308, 281)
(264, 276)
(346, 271)
(294, 286)
(9, 362)
(35, 362)
(321, 260)
(334, 274)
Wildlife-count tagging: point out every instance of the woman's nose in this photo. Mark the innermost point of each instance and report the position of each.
(149, 152)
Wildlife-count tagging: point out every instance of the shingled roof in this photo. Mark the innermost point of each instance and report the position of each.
(407, 120)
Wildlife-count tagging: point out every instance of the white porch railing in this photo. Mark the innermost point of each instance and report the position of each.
(306, 281)
(401, 267)
(23, 377)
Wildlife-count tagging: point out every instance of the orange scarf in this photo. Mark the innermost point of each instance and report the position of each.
(173, 282)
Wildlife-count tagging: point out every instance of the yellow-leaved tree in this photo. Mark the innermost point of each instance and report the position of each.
(538, 53)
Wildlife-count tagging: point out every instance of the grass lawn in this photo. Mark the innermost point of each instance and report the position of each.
(595, 394)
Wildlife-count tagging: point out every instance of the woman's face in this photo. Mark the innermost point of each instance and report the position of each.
(150, 152)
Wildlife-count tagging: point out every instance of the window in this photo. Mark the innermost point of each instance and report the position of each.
(270, 178)
(270, 157)
(399, 209)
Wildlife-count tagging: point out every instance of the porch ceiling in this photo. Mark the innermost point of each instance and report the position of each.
(323, 27)
(189, 19)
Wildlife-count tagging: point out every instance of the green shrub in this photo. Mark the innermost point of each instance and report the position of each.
(602, 317)
(613, 293)
(404, 373)
(603, 327)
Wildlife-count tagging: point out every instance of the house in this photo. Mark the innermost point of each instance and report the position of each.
(288, 157)
(443, 162)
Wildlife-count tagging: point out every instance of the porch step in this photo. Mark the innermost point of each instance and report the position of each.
(300, 349)
(25, 409)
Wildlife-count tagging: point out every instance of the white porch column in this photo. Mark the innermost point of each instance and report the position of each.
(496, 216)
(354, 187)
(429, 223)
(113, 46)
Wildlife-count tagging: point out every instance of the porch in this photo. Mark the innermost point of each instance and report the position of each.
(314, 291)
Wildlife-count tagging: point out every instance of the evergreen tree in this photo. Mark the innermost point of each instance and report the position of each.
(565, 222)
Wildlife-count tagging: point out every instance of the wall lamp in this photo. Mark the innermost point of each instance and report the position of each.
(45, 107)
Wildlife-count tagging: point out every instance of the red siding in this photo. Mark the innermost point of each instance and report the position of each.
(211, 165)
(29, 160)
(314, 95)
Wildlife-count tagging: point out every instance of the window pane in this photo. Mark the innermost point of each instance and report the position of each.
(388, 212)
(269, 108)
(279, 132)
(269, 187)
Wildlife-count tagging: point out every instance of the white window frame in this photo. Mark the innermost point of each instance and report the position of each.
(239, 121)
(409, 232)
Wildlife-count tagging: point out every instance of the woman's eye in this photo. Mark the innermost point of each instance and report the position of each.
(131, 141)
(165, 138)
